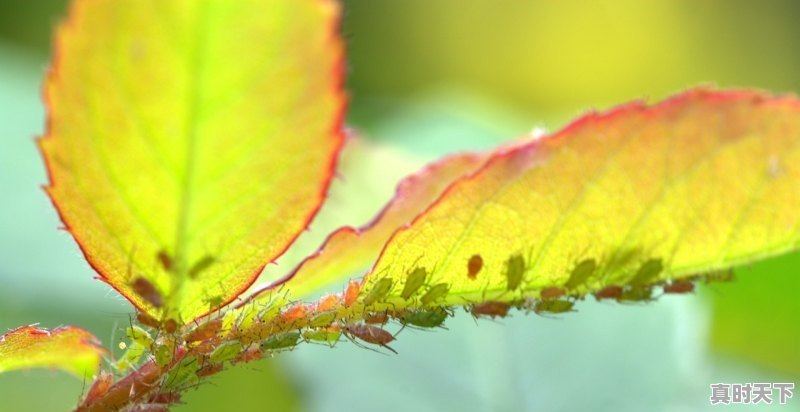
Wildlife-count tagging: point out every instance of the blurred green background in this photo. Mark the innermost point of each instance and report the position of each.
(427, 78)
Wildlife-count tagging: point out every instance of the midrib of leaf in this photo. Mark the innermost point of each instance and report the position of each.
(195, 70)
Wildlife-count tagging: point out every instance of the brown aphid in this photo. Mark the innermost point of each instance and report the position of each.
(370, 334)
(552, 292)
(608, 292)
(249, 355)
(99, 387)
(377, 318)
(474, 266)
(491, 309)
(205, 347)
(166, 398)
(679, 287)
(170, 326)
(165, 260)
(204, 331)
(201, 265)
(148, 320)
(209, 370)
(351, 293)
(148, 292)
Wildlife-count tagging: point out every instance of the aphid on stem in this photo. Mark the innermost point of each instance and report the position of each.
(492, 309)
(370, 334)
(679, 286)
(204, 331)
(608, 292)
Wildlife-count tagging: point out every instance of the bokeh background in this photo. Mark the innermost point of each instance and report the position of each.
(428, 78)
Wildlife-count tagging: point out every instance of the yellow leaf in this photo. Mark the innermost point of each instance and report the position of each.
(69, 348)
(349, 250)
(701, 182)
(191, 141)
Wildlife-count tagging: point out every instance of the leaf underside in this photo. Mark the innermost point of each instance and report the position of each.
(615, 204)
(190, 142)
(69, 348)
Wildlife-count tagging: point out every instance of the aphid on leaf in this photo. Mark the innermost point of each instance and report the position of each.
(414, 281)
(435, 293)
(378, 291)
(648, 272)
(139, 336)
(491, 309)
(322, 319)
(370, 334)
(327, 302)
(424, 318)
(282, 341)
(170, 326)
(204, 331)
(148, 320)
(553, 306)
(515, 268)
(226, 352)
(679, 287)
(636, 294)
(608, 292)
(200, 266)
(165, 260)
(148, 292)
(474, 265)
(581, 273)
(351, 293)
(725, 275)
(328, 336)
(249, 355)
(552, 292)
(376, 318)
(210, 369)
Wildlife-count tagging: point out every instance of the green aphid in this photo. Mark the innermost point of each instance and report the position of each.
(379, 290)
(282, 341)
(648, 272)
(515, 268)
(326, 336)
(424, 318)
(636, 294)
(582, 272)
(621, 259)
(139, 336)
(322, 319)
(130, 358)
(553, 306)
(162, 355)
(184, 374)
(414, 281)
(226, 352)
(435, 293)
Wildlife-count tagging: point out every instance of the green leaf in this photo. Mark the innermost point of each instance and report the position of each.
(69, 348)
(190, 142)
